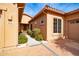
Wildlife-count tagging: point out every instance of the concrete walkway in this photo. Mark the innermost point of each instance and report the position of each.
(32, 41)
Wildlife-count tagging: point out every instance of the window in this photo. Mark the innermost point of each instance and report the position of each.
(77, 21)
(74, 21)
(31, 26)
(57, 25)
(41, 22)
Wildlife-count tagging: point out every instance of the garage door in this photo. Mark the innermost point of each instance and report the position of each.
(74, 30)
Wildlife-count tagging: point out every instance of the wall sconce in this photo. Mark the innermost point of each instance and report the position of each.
(10, 19)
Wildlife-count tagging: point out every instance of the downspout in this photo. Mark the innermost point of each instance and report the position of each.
(4, 26)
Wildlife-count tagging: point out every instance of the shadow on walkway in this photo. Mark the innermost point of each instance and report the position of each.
(68, 45)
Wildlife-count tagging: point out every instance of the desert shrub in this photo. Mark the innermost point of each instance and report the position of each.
(29, 32)
(39, 37)
(35, 32)
(22, 39)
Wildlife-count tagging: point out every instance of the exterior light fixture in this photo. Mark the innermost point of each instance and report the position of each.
(10, 19)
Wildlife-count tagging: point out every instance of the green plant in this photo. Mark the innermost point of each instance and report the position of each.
(35, 32)
(39, 37)
(22, 39)
(29, 32)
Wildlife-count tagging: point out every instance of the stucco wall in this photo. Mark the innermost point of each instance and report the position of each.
(25, 19)
(50, 34)
(25, 22)
(9, 25)
(2, 30)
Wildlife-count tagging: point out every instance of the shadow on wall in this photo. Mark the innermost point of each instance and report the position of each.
(62, 44)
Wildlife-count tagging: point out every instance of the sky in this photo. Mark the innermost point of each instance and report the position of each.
(33, 8)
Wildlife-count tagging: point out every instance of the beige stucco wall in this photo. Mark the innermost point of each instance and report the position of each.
(2, 30)
(25, 19)
(50, 35)
(47, 28)
(25, 22)
(9, 29)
